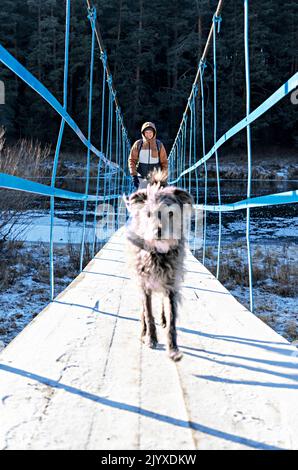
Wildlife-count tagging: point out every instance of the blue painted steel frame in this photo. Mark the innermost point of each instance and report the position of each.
(177, 154)
(114, 168)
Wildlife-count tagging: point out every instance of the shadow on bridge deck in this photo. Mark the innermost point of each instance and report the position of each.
(78, 377)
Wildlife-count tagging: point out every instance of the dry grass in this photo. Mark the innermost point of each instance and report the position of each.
(10, 257)
(74, 251)
(25, 159)
(291, 329)
(270, 320)
(273, 271)
(25, 286)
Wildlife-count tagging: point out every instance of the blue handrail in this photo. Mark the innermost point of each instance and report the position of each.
(177, 153)
(248, 138)
(58, 146)
(116, 169)
(216, 20)
(184, 147)
(280, 93)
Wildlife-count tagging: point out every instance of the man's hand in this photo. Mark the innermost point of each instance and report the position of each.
(136, 182)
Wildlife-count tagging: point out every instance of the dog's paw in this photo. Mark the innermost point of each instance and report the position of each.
(150, 342)
(175, 355)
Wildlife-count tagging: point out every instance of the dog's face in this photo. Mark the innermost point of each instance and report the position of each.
(159, 215)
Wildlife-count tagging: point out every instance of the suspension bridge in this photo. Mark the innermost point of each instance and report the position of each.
(77, 377)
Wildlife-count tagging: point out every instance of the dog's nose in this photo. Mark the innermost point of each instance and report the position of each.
(157, 232)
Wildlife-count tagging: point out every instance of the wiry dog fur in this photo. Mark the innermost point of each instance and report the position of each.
(157, 261)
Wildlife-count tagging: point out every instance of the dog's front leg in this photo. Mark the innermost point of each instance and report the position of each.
(148, 324)
(143, 324)
(163, 320)
(170, 303)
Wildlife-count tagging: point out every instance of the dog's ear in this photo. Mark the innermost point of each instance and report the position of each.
(183, 196)
(158, 176)
(137, 199)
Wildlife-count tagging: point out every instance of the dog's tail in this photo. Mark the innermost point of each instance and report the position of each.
(158, 176)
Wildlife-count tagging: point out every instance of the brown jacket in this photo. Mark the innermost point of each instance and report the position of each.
(143, 160)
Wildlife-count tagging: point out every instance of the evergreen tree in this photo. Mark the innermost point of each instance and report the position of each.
(153, 51)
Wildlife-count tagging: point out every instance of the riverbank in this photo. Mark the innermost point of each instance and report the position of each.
(268, 164)
(265, 166)
(25, 287)
(275, 274)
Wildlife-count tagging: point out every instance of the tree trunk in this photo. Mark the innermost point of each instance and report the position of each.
(138, 71)
(54, 38)
(118, 38)
(199, 10)
(173, 102)
(233, 69)
(39, 42)
(294, 61)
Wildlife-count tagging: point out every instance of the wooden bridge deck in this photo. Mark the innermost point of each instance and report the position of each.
(78, 377)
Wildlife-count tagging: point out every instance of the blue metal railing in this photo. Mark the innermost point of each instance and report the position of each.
(107, 168)
(177, 154)
(185, 144)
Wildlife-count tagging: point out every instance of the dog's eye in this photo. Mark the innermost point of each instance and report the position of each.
(148, 214)
(171, 214)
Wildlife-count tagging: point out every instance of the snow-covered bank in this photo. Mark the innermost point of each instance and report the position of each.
(275, 273)
(275, 163)
(261, 170)
(39, 230)
(65, 230)
(25, 286)
(266, 226)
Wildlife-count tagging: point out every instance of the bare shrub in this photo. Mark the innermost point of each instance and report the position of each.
(74, 251)
(9, 258)
(292, 329)
(26, 159)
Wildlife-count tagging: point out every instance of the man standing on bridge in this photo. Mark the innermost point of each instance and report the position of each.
(145, 155)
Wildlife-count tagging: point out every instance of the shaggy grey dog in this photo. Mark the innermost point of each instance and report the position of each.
(155, 232)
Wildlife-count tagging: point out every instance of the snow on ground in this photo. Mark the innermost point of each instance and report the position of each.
(279, 312)
(25, 285)
(66, 230)
(39, 231)
(274, 228)
(275, 272)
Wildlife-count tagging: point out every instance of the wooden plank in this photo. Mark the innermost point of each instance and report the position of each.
(78, 377)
